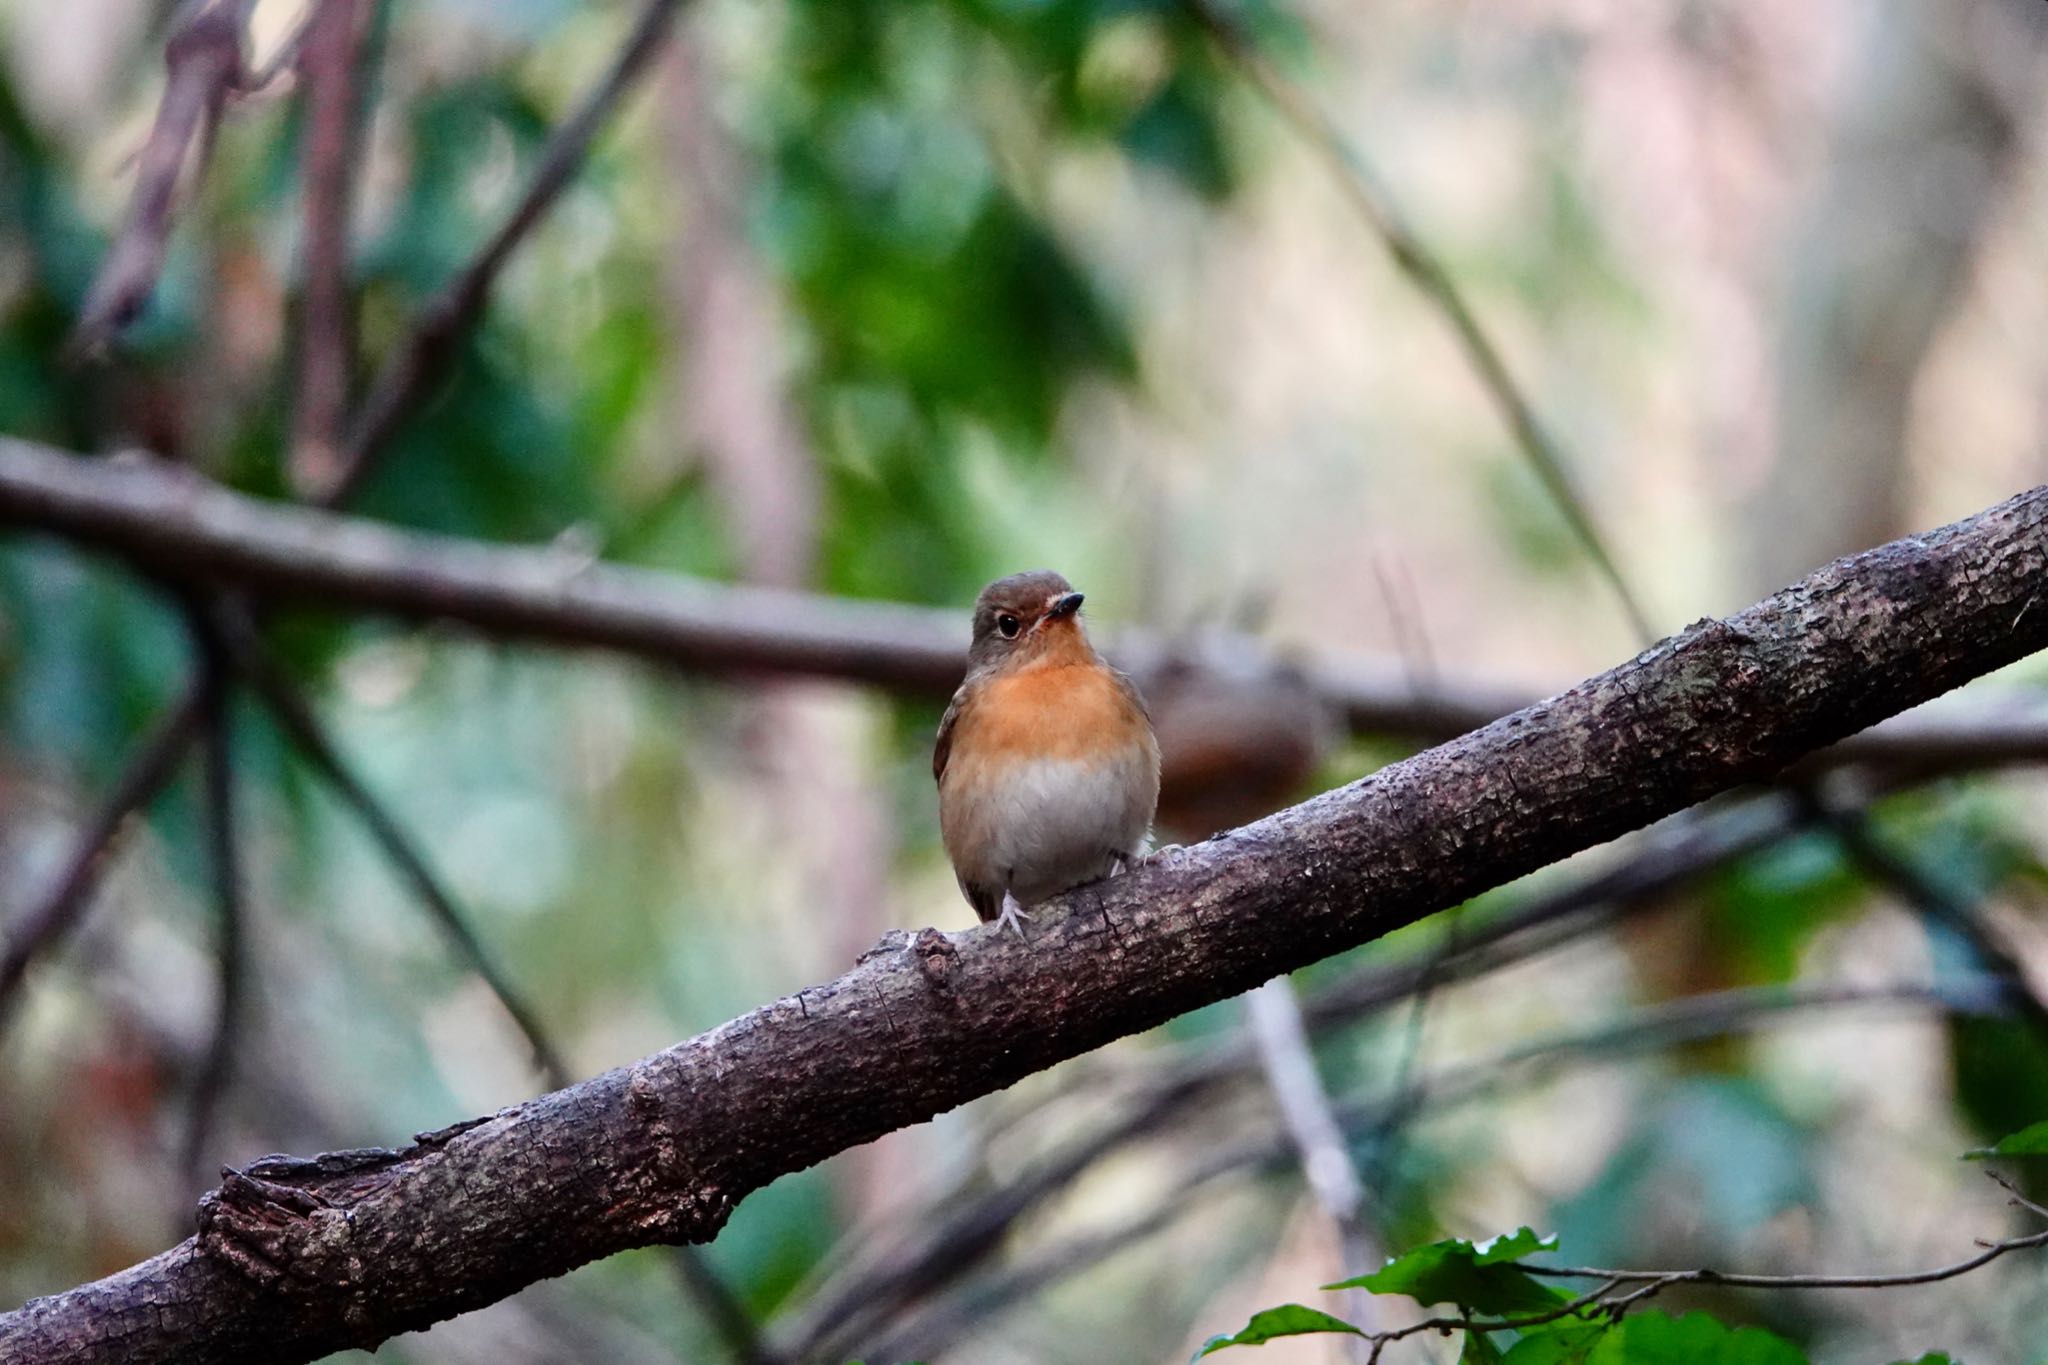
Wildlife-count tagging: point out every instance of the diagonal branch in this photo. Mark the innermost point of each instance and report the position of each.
(289, 708)
(203, 61)
(298, 1258)
(59, 911)
(1362, 189)
(332, 63)
(1280, 1037)
(183, 526)
(423, 357)
(945, 1238)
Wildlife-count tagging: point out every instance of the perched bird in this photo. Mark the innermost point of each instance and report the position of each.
(1047, 769)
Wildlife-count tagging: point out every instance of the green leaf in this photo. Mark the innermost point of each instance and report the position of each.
(1931, 1358)
(1568, 1341)
(1479, 1350)
(1695, 1339)
(1479, 1277)
(2029, 1141)
(1288, 1320)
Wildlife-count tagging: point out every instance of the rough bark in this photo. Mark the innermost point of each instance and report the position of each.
(298, 1258)
(183, 526)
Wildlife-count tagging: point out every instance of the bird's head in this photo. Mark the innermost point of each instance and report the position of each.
(1025, 617)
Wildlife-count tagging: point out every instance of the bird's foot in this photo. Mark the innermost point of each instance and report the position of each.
(1014, 917)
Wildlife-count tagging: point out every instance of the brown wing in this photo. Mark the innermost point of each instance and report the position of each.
(943, 748)
(1131, 693)
(986, 901)
(987, 904)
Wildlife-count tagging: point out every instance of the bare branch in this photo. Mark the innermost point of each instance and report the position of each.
(1933, 901)
(330, 61)
(298, 1258)
(64, 904)
(203, 61)
(294, 715)
(418, 363)
(1365, 193)
(183, 526)
(1281, 1041)
(224, 862)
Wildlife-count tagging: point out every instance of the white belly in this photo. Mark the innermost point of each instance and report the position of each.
(1056, 823)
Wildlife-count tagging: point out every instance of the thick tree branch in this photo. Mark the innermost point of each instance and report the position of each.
(184, 526)
(297, 1258)
(931, 1246)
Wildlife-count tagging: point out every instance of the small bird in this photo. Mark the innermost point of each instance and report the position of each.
(1047, 769)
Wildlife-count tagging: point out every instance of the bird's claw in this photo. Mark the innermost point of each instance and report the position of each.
(1014, 917)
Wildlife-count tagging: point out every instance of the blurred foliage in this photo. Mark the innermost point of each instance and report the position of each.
(605, 824)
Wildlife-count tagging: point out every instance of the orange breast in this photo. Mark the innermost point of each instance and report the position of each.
(1068, 711)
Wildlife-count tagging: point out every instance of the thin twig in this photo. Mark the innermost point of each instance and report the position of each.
(203, 61)
(61, 908)
(294, 715)
(1289, 1068)
(1934, 902)
(423, 357)
(330, 62)
(223, 856)
(1737, 1280)
(2019, 1198)
(1365, 193)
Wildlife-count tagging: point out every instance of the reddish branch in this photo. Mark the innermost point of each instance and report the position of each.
(203, 66)
(329, 61)
(186, 527)
(298, 1258)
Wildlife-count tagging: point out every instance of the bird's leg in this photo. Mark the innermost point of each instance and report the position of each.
(1014, 917)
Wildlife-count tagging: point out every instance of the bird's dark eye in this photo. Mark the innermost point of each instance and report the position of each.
(1008, 625)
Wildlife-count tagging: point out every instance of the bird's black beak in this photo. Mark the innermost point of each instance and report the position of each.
(1066, 606)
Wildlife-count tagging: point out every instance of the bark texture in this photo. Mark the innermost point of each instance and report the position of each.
(295, 1259)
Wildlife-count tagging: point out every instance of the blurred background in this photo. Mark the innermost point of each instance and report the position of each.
(886, 298)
